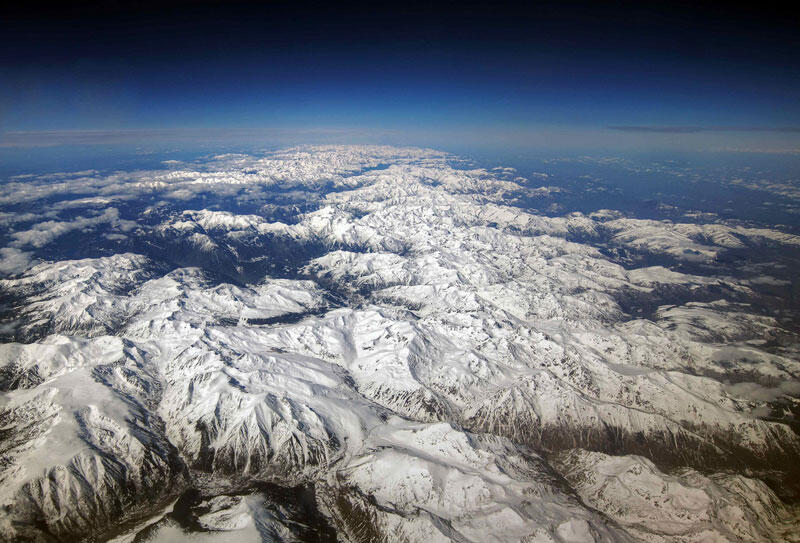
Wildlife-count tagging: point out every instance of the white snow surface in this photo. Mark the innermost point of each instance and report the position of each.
(479, 356)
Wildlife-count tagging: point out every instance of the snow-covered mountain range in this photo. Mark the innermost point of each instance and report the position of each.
(381, 344)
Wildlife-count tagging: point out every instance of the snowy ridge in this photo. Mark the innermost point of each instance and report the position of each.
(687, 506)
(438, 365)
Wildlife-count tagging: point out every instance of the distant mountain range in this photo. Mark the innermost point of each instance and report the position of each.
(382, 344)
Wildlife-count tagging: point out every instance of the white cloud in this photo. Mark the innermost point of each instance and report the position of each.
(45, 232)
(13, 261)
(755, 391)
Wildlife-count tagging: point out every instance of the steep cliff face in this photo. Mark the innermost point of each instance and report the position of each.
(418, 360)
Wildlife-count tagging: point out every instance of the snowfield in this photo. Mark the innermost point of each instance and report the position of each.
(407, 357)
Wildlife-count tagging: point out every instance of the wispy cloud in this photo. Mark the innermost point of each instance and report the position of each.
(279, 135)
(13, 260)
(690, 129)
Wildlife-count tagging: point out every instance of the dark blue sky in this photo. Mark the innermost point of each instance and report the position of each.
(578, 75)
